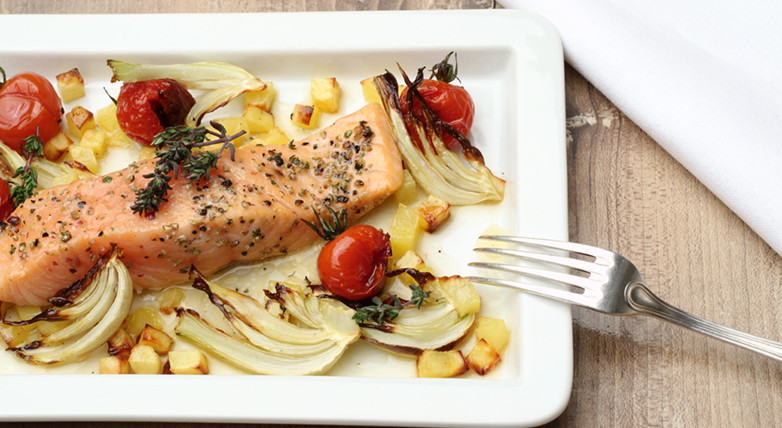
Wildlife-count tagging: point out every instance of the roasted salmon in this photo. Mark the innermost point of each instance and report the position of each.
(248, 209)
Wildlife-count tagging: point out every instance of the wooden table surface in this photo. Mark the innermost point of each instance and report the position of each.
(628, 195)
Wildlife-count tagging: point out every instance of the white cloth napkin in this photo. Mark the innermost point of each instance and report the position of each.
(702, 77)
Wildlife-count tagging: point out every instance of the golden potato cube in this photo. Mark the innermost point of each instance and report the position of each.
(78, 120)
(434, 211)
(263, 98)
(188, 362)
(95, 139)
(325, 92)
(121, 343)
(258, 120)
(155, 338)
(119, 140)
(275, 137)
(106, 119)
(305, 117)
(170, 299)
(234, 125)
(56, 147)
(114, 365)
(20, 334)
(64, 179)
(85, 156)
(140, 318)
(483, 358)
(494, 331)
(144, 360)
(460, 293)
(405, 229)
(408, 192)
(146, 153)
(441, 363)
(71, 85)
(370, 91)
(410, 259)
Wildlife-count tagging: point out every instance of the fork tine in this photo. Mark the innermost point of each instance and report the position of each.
(572, 247)
(565, 278)
(544, 291)
(548, 258)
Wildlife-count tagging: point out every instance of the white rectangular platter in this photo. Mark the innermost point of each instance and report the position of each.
(510, 61)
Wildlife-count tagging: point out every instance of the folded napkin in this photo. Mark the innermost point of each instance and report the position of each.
(702, 77)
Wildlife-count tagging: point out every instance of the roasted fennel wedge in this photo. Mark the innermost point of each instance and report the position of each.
(313, 338)
(220, 81)
(81, 319)
(459, 180)
(47, 171)
(443, 320)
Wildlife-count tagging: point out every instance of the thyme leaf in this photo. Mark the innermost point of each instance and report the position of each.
(380, 312)
(326, 229)
(174, 153)
(32, 147)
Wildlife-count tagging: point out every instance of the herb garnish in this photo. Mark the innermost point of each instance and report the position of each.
(381, 312)
(32, 147)
(173, 150)
(329, 230)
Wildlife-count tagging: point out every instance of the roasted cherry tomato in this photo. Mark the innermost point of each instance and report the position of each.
(353, 265)
(145, 109)
(28, 104)
(453, 104)
(6, 203)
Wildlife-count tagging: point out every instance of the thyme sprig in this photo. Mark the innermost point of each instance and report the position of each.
(32, 147)
(381, 312)
(326, 229)
(174, 153)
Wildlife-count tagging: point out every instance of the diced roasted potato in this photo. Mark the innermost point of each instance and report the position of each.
(120, 140)
(106, 119)
(140, 318)
(71, 85)
(56, 147)
(494, 331)
(369, 91)
(121, 343)
(483, 358)
(114, 365)
(85, 156)
(258, 120)
(78, 120)
(263, 99)
(434, 211)
(275, 137)
(405, 229)
(146, 153)
(156, 339)
(461, 293)
(144, 360)
(432, 363)
(170, 299)
(408, 192)
(305, 117)
(325, 93)
(186, 362)
(234, 125)
(95, 139)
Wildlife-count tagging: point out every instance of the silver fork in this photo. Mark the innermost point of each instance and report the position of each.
(610, 284)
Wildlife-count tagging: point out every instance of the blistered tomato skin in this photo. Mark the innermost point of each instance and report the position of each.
(453, 104)
(353, 265)
(145, 109)
(28, 104)
(6, 203)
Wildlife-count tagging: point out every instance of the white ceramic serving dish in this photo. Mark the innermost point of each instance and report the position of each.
(512, 64)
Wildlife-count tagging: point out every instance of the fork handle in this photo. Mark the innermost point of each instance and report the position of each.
(641, 298)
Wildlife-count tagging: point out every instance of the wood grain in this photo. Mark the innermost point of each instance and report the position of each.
(628, 195)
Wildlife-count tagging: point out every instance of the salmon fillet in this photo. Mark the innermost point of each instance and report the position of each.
(249, 209)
